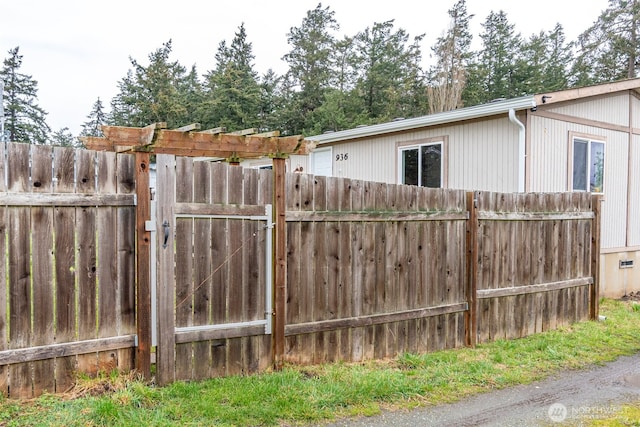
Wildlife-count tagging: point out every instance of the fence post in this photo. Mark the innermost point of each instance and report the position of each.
(143, 256)
(280, 270)
(596, 205)
(471, 315)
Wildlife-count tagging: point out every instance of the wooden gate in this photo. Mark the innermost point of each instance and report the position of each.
(214, 228)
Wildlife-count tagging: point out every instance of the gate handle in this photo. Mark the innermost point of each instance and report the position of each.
(166, 227)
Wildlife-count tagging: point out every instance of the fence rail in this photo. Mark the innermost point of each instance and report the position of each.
(366, 270)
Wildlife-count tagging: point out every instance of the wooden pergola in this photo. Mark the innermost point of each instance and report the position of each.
(216, 144)
(192, 142)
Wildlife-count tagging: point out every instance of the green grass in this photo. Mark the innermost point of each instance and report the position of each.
(299, 395)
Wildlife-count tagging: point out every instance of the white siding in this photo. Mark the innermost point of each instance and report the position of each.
(634, 193)
(547, 157)
(614, 207)
(296, 161)
(635, 109)
(612, 109)
(549, 148)
(482, 155)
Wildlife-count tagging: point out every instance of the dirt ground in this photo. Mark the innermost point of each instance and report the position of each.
(633, 296)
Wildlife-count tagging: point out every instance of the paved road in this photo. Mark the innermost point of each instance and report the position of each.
(569, 396)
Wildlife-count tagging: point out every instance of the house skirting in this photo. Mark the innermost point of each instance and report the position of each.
(619, 273)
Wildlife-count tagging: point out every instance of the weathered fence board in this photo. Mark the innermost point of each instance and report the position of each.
(65, 244)
(70, 266)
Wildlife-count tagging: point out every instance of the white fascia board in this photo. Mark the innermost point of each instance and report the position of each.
(477, 111)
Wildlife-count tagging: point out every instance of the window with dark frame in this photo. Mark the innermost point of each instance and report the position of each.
(421, 165)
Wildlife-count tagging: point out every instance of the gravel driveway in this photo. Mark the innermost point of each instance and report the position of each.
(568, 396)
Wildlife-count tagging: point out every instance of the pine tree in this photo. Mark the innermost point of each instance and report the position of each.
(495, 73)
(64, 138)
(452, 53)
(388, 71)
(311, 64)
(414, 85)
(95, 120)
(271, 102)
(192, 96)
(24, 119)
(153, 93)
(545, 63)
(342, 107)
(233, 90)
(610, 49)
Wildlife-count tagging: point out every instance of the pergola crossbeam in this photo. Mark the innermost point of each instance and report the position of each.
(221, 129)
(245, 131)
(189, 128)
(184, 141)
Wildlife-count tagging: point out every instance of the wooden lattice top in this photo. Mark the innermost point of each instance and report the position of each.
(190, 141)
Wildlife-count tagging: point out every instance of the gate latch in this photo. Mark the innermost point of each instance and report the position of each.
(166, 227)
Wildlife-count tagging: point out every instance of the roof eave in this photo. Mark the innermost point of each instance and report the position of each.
(469, 113)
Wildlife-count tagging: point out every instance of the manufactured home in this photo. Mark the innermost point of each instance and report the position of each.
(585, 139)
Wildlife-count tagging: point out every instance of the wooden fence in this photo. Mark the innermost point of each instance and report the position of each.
(534, 262)
(361, 270)
(374, 270)
(67, 302)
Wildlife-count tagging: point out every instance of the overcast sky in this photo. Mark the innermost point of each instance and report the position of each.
(78, 50)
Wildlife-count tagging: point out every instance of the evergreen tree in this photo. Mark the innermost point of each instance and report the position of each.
(311, 67)
(95, 119)
(452, 52)
(233, 89)
(559, 59)
(609, 50)
(388, 71)
(495, 73)
(64, 138)
(151, 94)
(271, 102)
(342, 108)
(414, 85)
(545, 63)
(123, 106)
(24, 119)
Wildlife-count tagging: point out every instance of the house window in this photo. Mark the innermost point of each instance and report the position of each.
(588, 165)
(421, 165)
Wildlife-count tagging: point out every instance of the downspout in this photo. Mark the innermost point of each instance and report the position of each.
(521, 149)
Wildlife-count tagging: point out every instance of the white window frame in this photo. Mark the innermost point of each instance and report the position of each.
(418, 146)
(588, 140)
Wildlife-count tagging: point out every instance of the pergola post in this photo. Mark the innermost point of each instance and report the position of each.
(280, 260)
(143, 270)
